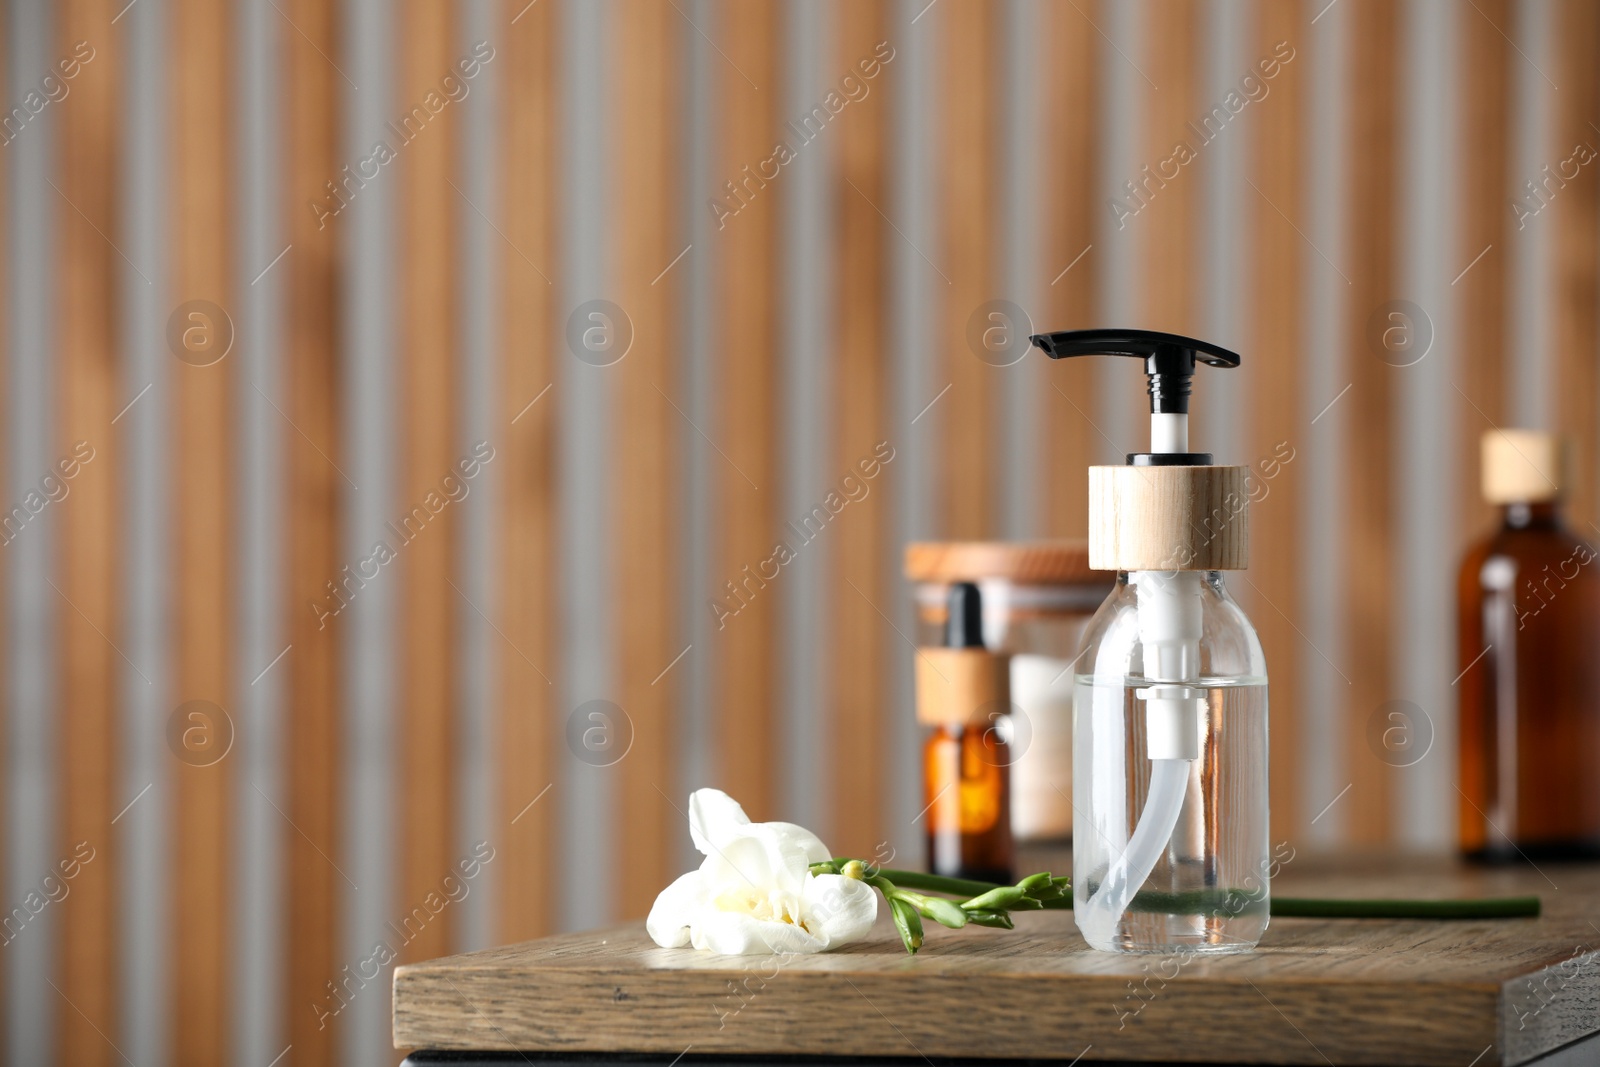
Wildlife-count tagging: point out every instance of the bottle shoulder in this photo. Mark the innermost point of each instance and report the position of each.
(1525, 549)
(1229, 647)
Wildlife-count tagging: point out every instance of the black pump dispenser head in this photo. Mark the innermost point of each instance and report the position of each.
(1169, 361)
(963, 627)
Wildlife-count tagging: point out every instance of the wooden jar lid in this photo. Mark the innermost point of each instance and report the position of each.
(1024, 562)
(1522, 466)
(1168, 518)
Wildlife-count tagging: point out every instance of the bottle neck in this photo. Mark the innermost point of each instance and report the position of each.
(1544, 514)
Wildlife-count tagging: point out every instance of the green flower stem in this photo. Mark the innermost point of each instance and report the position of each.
(1237, 901)
(1474, 908)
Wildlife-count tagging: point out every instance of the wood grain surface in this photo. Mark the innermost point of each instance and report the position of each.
(1317, 991)
(1161, 518)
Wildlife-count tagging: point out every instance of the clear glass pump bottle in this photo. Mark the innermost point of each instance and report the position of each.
(1171, 847)
(1206, 891)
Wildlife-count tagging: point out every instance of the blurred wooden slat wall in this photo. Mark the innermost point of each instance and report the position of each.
(7, 370)
(1371, 226)
(646, 109)
(527, 523)
(312, 528)
(749, 115)
(1165, 229)
(428, 47)
(742, 443)
(1071, 206)
(861, 375)
(202, 219)
(966, 263)
(1276, 284)
(1487, 227)
(1576, 220)
(88, 578)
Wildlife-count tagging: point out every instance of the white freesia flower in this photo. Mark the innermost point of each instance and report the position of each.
(755, 894)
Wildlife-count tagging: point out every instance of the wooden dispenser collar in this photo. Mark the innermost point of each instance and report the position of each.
(1168, 518)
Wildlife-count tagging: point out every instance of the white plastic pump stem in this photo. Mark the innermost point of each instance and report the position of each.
(1170, 620)
(1169, 431)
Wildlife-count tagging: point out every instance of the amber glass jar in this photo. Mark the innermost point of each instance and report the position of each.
(1038, 598)
(1529, 652)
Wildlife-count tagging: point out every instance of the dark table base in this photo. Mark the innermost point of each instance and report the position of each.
(1585, 1053)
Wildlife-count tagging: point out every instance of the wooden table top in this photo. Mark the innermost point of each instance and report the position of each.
(1316, 991)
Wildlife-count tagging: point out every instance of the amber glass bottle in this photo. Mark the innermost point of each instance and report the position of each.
(967, 772)
(1529, 653)
(963, 695)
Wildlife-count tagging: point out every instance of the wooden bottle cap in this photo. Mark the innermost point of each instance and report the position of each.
(1168, 518)
(1522, 466)
(960, 686)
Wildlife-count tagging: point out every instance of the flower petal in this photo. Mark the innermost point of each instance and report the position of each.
(675, 910)
(838, 909)
(731, 933)
(800, 840)
(714, 817)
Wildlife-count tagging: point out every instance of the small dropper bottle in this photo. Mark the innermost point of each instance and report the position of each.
(963, 694)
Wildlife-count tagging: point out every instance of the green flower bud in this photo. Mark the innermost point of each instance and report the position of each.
(944, 912)
(998, 919)
(1008, 896)
(908, 922)
(854, 869)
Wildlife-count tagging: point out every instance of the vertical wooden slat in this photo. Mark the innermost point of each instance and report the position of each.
(1487, 229)
(527, 588)
(1166, 227)
(859, 695)
(88, 530)
(967, 262)
(1369, 155)
(200, 213)
(1575, 225)
(428, 605)
(7, 709)
(312, 525)
(647, 105)
(1277, 433)
(746, 480)
(1067, 68)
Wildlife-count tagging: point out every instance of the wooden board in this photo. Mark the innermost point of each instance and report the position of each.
(1317, 991)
